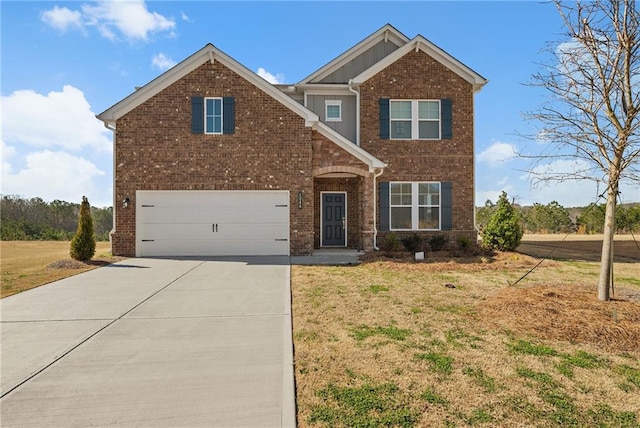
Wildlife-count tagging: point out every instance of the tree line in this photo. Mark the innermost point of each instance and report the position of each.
(23, 219)
(554, 218)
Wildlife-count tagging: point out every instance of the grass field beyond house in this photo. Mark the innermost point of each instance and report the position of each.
(445, 344)
(27, 264)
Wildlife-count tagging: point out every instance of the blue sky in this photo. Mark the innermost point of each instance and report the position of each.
(64, 62)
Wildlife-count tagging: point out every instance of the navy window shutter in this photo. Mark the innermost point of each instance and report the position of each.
(446, 113)
(446, 195)
(197, 115)
(384, 206)
(228, 115)
(384, 118)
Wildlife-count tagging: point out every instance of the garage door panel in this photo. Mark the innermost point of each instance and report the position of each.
(215, 214)
(214, 231)
(212, 223)
(192, 198)
(181, 247)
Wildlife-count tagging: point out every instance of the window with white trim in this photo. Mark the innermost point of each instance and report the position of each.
(414, 205)
(414, 119)
(333, 110)
(213, 115)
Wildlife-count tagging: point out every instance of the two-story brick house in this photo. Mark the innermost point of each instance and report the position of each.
(211, 159)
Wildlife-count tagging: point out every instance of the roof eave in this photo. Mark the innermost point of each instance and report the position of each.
(432, 50)
(348, 146)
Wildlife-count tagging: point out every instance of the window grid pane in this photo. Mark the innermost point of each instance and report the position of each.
(333, 112)
(401, 129)
(400, 109)
(213, 116)
(429, 110)
(429, 130)
(401, 218)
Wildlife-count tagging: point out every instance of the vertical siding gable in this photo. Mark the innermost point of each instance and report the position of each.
(361, 62)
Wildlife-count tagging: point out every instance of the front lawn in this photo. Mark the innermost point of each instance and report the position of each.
(390, 343)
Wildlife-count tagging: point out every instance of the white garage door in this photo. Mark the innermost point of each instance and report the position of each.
(212, 223)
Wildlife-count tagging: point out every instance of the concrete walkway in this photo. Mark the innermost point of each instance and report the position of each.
(151, 343)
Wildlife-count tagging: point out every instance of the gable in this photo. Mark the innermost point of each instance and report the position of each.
(420, 44)
(360, 63)
(360, 57)
(211, 54)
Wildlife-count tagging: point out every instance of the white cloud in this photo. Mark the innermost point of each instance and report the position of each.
(130, 18)
(497, 153)
(184, 17)
(162, 62)
(58, 119)
(62, 18)
(56, 175)
(271, 78)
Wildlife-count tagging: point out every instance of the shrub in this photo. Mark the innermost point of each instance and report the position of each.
(392, 243)
(504, 230)
(83, 244)
(437, 242)
(413, 243)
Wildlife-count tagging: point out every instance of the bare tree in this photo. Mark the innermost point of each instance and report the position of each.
(591, 121)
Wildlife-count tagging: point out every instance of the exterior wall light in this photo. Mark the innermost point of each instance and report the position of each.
(125, 203)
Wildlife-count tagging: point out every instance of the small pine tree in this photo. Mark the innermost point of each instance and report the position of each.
(504, 230)
(83, 244)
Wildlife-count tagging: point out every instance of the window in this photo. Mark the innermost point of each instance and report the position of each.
(414, 206)
(414, 119)
(213, 116)
(333, 110)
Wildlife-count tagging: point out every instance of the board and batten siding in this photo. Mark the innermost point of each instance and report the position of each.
(360, 63)
(346, 127)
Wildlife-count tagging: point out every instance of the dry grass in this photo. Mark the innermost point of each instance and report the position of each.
(29, 264)
(543, 353)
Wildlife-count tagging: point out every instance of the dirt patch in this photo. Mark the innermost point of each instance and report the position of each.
(579, 247)
(572, 313)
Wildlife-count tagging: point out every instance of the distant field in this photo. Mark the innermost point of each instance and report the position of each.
(25, 264)
(580, 247)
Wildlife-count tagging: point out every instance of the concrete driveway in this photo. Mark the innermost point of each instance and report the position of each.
(152, 342)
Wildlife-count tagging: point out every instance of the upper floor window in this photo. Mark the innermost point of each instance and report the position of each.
(213, 115)
(333, 110)
(414, 119)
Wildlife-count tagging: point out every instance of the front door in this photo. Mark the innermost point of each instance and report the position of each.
(334, 220)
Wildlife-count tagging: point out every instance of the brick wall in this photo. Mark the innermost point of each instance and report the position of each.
(418, 76)
(270, 150)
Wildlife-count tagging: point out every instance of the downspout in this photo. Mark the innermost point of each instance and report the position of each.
(113, 150)
(375, 209)
(357, 111)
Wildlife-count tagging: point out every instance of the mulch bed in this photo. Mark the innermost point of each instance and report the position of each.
(571, 313)
(76, 264)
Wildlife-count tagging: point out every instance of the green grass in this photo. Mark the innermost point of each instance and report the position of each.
(522, 346)
(363, 332)
(440, 363)
(430, 396)
(480, 378)
(366, 405)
